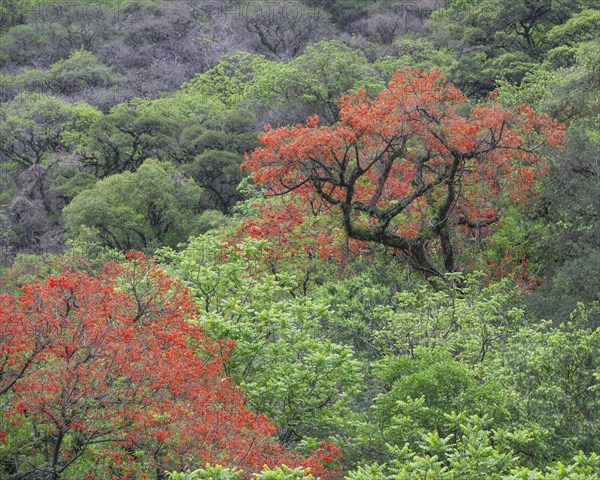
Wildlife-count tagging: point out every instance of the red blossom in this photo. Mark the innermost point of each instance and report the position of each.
(408, 168)
(115, 362)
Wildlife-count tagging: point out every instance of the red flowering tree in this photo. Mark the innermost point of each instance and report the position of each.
(413, 169)
(297, 240)
(110, 377)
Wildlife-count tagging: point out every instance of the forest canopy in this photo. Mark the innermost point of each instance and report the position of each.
(299, 239)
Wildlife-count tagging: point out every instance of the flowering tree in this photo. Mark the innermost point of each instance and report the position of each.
(109, 376)
(409, 169)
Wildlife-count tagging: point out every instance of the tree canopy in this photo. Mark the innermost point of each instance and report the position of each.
(97, 369)
(365, 233)
(409, 168)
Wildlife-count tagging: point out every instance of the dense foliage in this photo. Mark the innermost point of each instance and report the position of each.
(406, 169)
(109, 375)
(284, 239)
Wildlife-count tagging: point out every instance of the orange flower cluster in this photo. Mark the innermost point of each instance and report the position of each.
(113, 365)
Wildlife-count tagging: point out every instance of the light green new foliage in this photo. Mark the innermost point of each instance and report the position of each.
(464, 320)
(35, 128)
(583, 467)
(80, 71)
(418, 53)
(475, 451)
(453, 355)
(550, 379)
(299, 379)
(218, 472)
(284, 473)
(581, 27)
(325, 71)
(209, 472)
(226, 83)
(352, 302)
